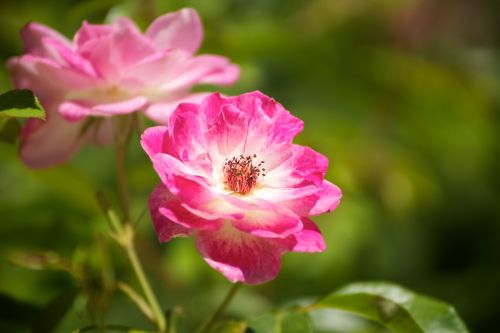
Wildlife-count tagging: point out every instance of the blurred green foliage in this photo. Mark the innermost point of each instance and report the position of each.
(402, 96)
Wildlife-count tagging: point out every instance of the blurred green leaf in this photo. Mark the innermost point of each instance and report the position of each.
(48, 319)
(9, 130)
(396, 308)
(281, 322)
(40, 260)
(20, 103)
(230, 326)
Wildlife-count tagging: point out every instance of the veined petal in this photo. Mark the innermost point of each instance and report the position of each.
(268, 223)
(303, 167)
(239, 256)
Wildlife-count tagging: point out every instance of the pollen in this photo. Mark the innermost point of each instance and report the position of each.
(242, 173)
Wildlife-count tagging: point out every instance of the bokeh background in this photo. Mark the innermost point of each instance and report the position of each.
(403, 96)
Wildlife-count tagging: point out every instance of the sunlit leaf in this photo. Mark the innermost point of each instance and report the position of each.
(20, 104)
(281, 322)
(396, 308)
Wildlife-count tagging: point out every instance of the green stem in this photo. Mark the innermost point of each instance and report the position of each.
(205, 328)
(126, 236)
(121, 150)
(146, 288)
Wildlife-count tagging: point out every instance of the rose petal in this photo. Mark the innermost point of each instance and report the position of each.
(88, 32)
(181, 30)
(123, 107)
(160, 112)
(240, 257)
(33, 35)
(121, 48)
(165, 228)
(328, 199)
(152, 140)
(268, 223)
(303, 167)
(44, 144)
(309, 239)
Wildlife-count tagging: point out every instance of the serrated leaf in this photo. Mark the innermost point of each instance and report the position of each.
(396, 308)
(20, 103)
(281, 322)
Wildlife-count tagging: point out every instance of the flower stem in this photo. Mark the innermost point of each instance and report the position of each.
(205, 328)
(146, 288)
(121, 150)
(126, 232)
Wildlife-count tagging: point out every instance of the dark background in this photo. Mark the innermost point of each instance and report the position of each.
(402, 96)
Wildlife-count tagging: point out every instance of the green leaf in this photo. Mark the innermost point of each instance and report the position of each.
(281, 322)
(229, 326)
(21, 104)
(395, 307)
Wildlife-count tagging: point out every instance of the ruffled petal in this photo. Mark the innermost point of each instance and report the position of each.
(329, 197)
(269, 223)
(152, 140)
(34, 34)
(31, 72)
(187, 132)
(309, 239)
(239, 256)
(248, 124)
(88, 32)
(304, 166)
(165, 228)
(111, 54)
(180, 30)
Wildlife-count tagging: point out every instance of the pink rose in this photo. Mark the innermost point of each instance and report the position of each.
(109, 70)
(231, 176)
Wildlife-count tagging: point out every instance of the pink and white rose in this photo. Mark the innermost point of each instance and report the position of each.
(109, 70)
(232, 178)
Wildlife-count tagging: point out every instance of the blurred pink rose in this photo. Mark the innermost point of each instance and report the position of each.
(231, 176)
(109, 70)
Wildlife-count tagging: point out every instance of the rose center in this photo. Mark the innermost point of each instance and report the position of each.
(242, 173)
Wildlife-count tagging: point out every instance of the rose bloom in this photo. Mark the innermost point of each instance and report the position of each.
(232, 178)
(109, 70)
